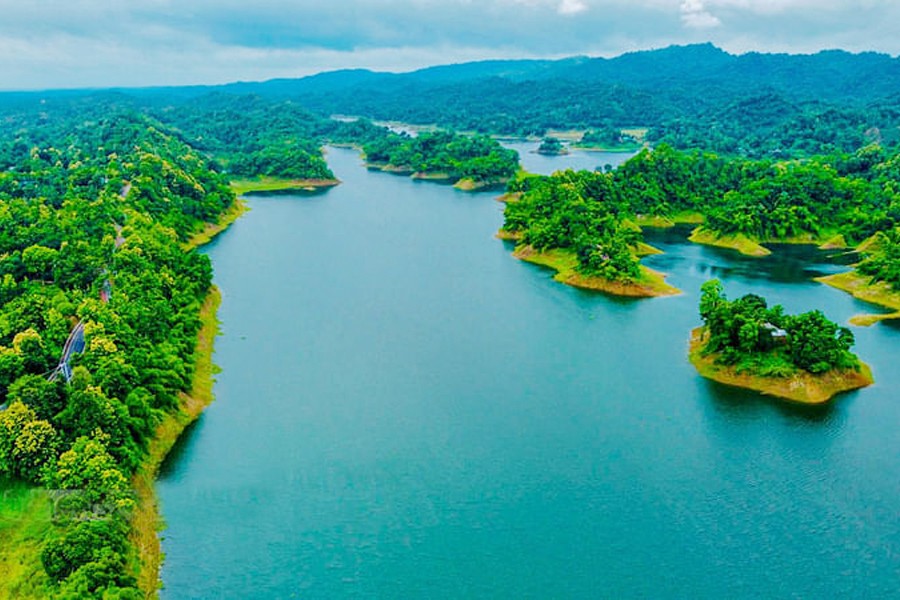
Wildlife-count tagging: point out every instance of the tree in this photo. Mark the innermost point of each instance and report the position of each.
(817, 344)
(89, 467)
(27, 444)
(45, 397)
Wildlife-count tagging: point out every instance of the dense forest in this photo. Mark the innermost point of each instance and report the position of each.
(252, 136)
(581, 212)
(478, 158)
(690, 97)
(757, 105)
(764, 341)
(840, 200)
(93, 215)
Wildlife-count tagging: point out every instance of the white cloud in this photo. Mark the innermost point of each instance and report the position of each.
(571, 7)
(77, 43)
(694, 14)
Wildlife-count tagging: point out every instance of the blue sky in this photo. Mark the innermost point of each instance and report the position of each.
(94, 43)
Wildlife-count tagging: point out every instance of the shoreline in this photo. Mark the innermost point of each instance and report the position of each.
(680, 218)
(859, 286)
(146, 522)
(465, 184)
(749, 246)
(651, 284)
(209, 233)
(278, 184)
(800, 388)
(616, 150)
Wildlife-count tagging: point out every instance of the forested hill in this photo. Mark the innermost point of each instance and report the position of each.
(688, 96)
(756, 105)
(830, 76)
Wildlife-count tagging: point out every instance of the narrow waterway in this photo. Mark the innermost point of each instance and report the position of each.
(406, 411)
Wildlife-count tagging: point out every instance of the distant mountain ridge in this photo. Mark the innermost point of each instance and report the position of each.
(829, 74)
(694, 96)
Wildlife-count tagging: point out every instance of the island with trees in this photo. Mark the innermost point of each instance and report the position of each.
(610, 139)
(840, 201)
(745, 343)
(469, 162)
(576, 223)
(551, 146)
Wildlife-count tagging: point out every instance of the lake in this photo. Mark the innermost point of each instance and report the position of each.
(406, 411)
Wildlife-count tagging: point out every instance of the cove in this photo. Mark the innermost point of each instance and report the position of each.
(406, 410)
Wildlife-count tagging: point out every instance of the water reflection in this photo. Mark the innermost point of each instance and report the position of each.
(788, 263)
(738, 404)
(182, 446)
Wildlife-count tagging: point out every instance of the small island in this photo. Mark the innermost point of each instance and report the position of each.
(611, 139)
(803, 358)
(469, 163)
(551, 146)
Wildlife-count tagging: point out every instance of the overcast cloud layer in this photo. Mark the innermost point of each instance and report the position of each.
(102, 43)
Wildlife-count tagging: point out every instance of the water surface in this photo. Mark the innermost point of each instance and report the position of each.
(406, 411)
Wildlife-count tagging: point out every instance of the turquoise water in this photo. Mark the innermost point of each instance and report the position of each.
(406, 411)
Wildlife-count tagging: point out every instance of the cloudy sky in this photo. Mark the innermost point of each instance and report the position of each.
(97, 43)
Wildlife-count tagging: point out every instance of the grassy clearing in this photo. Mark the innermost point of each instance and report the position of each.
(645, 249)
(739, 242)
(685, 217)
(835, 242)
(650, 284)
(859, 286)
(513, 236)
(509, 197)
(801, 387)
(618, 149)
(146, 522)
(467, 184)
(25, 525)
(213, 229)
(276, 184)
(426, 176)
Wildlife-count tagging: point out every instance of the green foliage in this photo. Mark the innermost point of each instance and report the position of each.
(457, 156)
(90, 469)
(882, 262)
(93, 203)
(764, 341)
(580, 211)
(817, 344)
(607, 138)
(28, 445)
(551, 145)
(90, 561)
